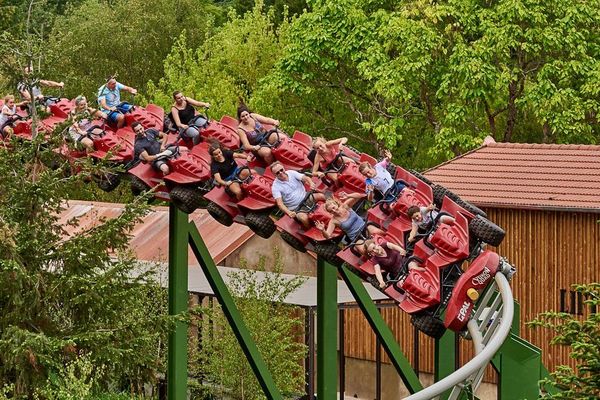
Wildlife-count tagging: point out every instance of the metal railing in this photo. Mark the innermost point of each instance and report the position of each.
(488, 335)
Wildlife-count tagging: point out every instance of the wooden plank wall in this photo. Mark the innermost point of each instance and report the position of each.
(551, 250)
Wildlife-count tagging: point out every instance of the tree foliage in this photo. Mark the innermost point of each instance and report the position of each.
(127, 37)
(583, 337)
(227, 67)
(275, 327)
(64, 295)
(442, 75)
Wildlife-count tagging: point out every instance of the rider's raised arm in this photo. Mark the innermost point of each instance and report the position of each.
(197, 103)
(333, 142)
(129, 89)
(394, 246)
(54, 84)
(265, 120)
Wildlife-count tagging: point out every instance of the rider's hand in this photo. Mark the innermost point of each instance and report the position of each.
(256, 147)
(319, 225)
(402, 252)
(320, 174)
(206, 105)
(228, 183)
(382, 285)
(276, 122)
(343, 195)
(249, 157)
(184, 126)
(61, 85)
(387, 154)
(133, 91)
(291, 214)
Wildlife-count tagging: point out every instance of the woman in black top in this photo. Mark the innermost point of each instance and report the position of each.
(183, 111)
(224, 168)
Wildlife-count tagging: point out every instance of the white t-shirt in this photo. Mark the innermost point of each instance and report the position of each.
(4, 117)
(383, 180)
(292, 191)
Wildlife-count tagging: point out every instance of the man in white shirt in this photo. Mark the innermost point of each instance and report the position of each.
(289, 192)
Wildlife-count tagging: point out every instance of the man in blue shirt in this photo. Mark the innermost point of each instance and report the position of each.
(109, 97)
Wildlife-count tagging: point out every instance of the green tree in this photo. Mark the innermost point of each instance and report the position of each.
(226, 67)
(274, 326)
(127, 37)
(582, 335)
(65, 296)
(434, 78)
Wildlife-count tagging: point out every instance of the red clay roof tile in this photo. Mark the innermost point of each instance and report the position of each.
(150, 238)
(516, 175)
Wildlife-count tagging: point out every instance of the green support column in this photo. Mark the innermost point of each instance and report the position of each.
(519, 366)
(178, 302)
(383, 332)
(444, 358)
(233, 315)
(327, 367)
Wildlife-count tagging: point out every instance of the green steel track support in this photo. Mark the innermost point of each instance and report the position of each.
(382, 331)
(444, 358)
(327, 328)
(258, 365)
(178, 302)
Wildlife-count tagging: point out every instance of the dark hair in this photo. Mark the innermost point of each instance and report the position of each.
(411, 210)
(214, 145)
(134, 124)
(175, 93)
(241, 108)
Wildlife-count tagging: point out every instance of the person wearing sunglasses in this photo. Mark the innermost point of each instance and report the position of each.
(289, 192)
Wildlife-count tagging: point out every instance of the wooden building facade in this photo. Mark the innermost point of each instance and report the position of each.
(547, 199)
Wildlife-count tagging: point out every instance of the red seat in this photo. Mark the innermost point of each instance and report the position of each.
(303, 138)
(229, 121)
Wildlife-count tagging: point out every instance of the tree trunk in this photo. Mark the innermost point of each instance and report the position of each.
(512, 111)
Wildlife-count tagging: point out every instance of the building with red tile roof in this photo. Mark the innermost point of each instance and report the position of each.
(547, 199)
(525, 176)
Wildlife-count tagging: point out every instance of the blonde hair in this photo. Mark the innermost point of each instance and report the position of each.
(8, 98)
(79, 99)
(317, 140)
(331, 201)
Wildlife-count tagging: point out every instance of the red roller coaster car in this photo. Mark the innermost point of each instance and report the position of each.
(254, 209)
(442, 285)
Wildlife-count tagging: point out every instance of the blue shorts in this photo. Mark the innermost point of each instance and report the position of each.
(233, 174)
(112, 116)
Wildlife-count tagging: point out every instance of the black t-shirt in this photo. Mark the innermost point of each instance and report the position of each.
(149, 142)
(225, 168)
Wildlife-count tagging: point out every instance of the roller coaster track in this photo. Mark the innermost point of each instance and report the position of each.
(488, 328)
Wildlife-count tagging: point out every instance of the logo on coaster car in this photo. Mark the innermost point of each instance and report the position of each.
(481, 278)
(462, 313)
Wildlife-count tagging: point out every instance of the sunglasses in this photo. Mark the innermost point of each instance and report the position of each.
(281, 171)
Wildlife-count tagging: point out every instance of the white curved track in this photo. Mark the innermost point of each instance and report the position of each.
(488, 337)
